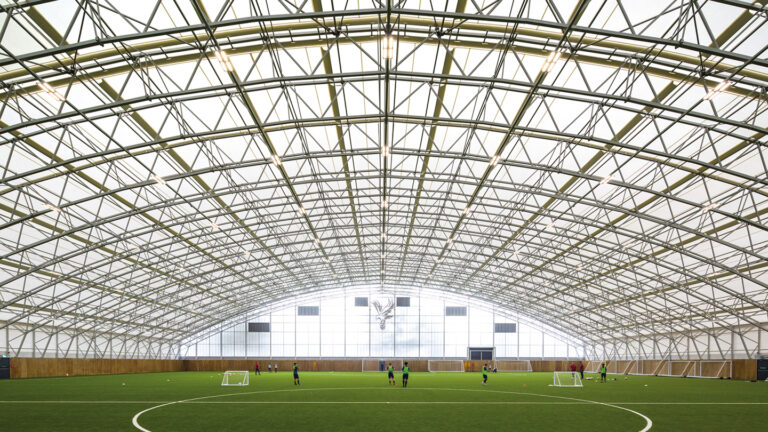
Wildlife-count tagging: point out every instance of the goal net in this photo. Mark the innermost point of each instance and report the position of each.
(376, 366)
(513, 366)
(445, 366)
(712, 369)
(235, 378)
(567, 379)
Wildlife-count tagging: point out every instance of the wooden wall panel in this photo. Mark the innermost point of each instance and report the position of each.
(37, 367)
(46, 367)
(745, 369)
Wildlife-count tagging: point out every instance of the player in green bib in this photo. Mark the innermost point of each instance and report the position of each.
(391, 374)
(485, 374)
(603, 373)
(405, 374)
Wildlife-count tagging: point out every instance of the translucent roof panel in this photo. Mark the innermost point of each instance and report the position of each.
(168, 166)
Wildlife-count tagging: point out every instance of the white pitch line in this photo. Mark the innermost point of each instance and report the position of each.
(78, 402)
(135, 419)
(379, 402)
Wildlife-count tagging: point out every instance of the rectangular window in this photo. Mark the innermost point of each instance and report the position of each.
(403, 302)
(361, 301)
(258, 327)
(309, 310)
(455, 311)
(505, 327)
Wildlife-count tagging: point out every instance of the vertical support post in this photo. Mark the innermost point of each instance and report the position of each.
(369, 328)
(518, 336)
(443, 328)
(420, 324)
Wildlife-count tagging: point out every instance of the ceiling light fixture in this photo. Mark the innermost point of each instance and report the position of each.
(607, 179)
(158, 179)
(551, 60)
(50, 90)
(387, 46)
(719, 88)
(223, 58)
(52, 207)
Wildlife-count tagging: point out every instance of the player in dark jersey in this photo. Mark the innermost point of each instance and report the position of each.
(391, 375)
(405, 374)
(296, 374)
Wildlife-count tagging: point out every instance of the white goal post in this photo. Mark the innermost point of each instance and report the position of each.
(445, 365)
(235, 378)
(567, 379)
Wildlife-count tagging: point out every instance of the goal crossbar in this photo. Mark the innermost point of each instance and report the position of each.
(445, 365)
(374, 365)
(513, 366)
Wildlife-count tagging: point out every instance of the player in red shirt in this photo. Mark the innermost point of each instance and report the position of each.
(257, 371)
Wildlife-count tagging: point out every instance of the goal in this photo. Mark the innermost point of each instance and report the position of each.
(381, 365)
(445, 366)
(235, 378)
(513, 366)
(567, 379)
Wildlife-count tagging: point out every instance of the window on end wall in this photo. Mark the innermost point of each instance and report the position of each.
(505, 327)
(403, 302)
(361, 301)
(455, 311)
(309, 310)
(258, 327)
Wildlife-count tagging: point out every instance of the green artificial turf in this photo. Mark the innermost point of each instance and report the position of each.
(328, 401)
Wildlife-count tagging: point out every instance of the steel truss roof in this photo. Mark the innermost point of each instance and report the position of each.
(154, 190)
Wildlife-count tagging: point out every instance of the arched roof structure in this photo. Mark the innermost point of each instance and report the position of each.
(597, 165)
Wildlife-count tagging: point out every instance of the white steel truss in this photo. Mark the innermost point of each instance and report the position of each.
(599, 165)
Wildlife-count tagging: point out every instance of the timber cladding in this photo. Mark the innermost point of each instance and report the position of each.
(52, 367)
(743, 369)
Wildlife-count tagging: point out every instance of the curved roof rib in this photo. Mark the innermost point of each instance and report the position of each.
(591, 164)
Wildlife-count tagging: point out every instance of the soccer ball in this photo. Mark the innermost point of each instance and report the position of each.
(123, 384)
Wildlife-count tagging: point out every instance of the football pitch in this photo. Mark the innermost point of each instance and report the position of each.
(346, 401)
